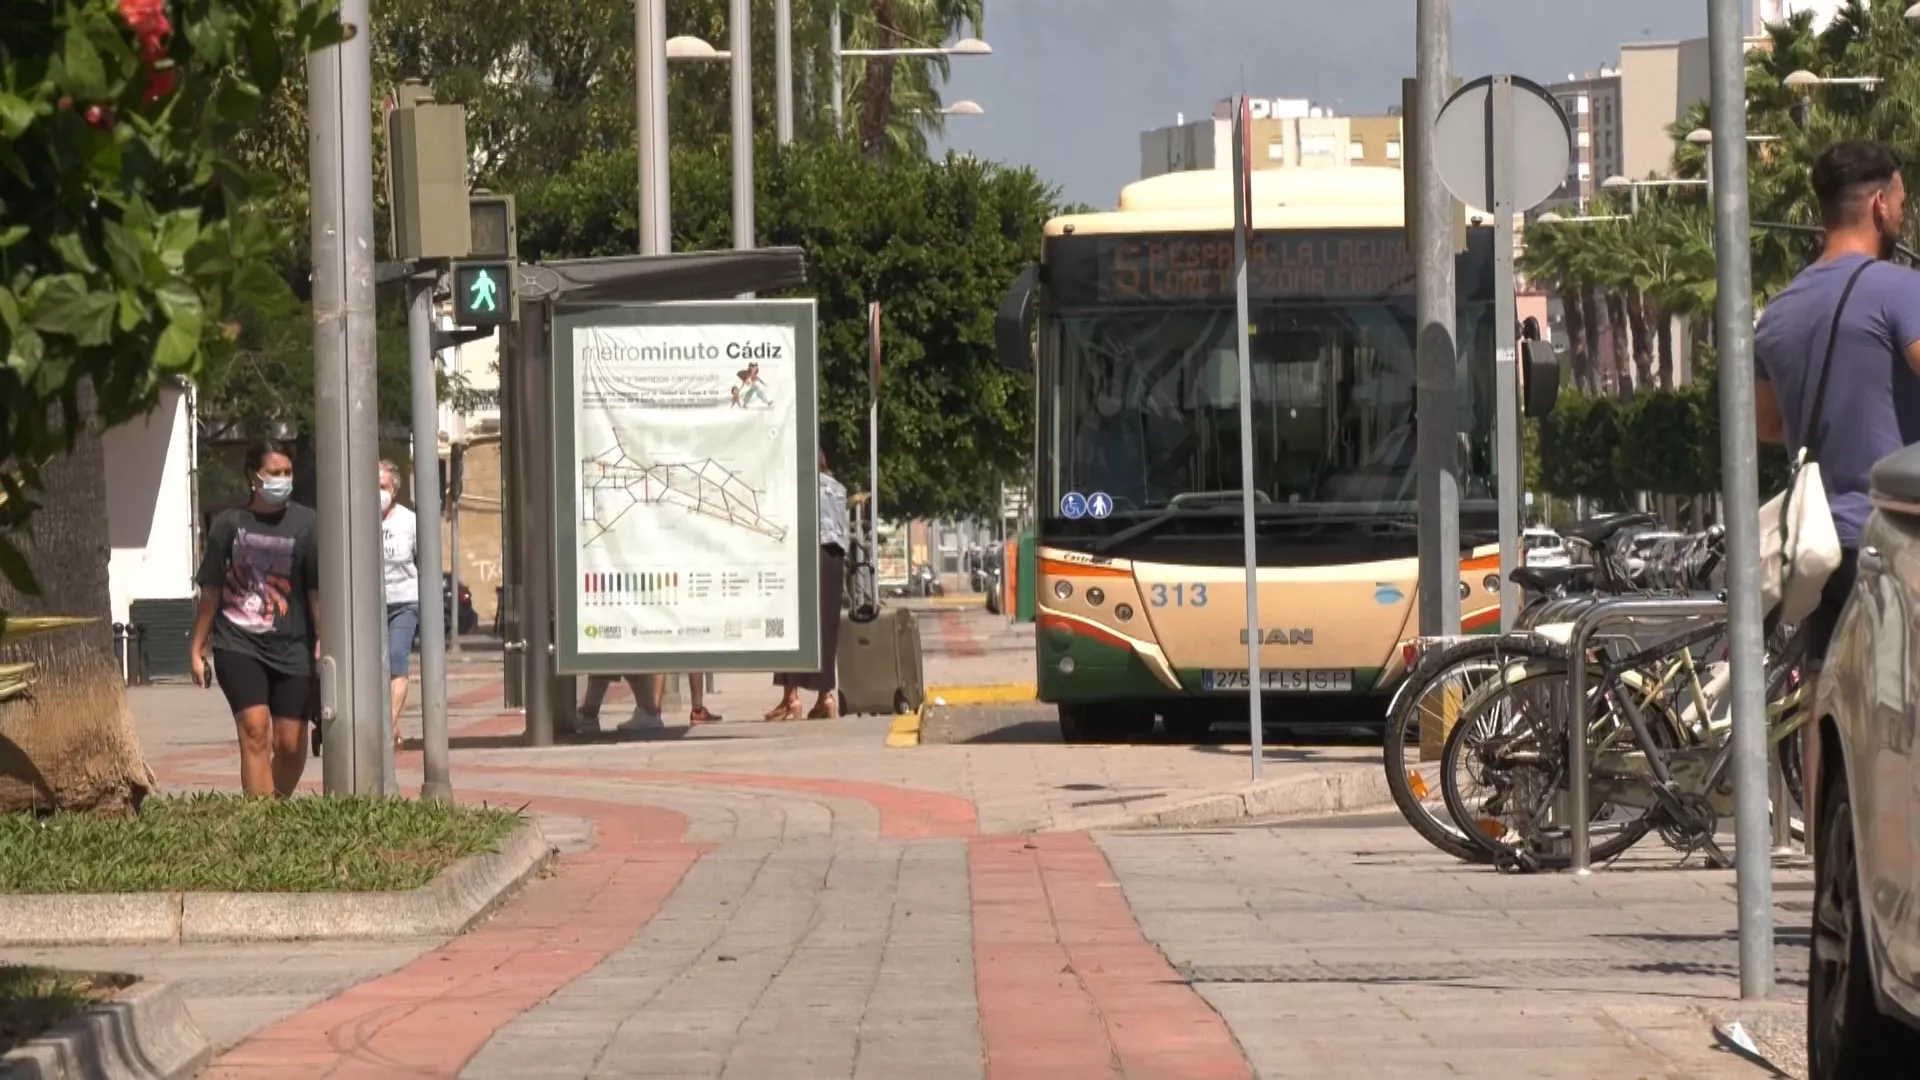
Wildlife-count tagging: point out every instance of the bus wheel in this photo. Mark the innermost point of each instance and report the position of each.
(1100, 723)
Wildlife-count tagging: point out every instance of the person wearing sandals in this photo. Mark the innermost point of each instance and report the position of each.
(400, 548)
(648, 693)
(833, 572)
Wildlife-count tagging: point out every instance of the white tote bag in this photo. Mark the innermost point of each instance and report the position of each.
(1799, 547)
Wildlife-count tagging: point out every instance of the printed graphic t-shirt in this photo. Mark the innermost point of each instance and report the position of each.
(264, 565)
(400, 537)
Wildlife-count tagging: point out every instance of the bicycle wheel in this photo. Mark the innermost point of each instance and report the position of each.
(1512, 736)
(1438, 685)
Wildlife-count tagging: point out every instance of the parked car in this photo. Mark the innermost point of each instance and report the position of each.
(1543, 547)
(469, 619)
(1863, 999)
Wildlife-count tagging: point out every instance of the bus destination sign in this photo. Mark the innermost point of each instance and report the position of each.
(1189, 268)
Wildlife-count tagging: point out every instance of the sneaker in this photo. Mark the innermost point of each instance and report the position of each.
(643, 720)
(587, 724)
(702, 716)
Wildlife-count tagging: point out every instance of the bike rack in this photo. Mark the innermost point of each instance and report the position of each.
(1607, 613)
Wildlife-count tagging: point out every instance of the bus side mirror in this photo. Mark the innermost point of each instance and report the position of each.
(1539, 378)
(1013, 324)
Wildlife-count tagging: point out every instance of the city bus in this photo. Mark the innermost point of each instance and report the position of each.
(1127, 323)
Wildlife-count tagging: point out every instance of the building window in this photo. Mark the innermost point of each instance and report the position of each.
(1316, 145)
(1583, 104)
(1356, 150)
(1585, 139)
(1585, 170)
(1276, 151)
(1393, 149)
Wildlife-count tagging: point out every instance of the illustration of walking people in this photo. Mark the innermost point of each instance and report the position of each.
(751, 387)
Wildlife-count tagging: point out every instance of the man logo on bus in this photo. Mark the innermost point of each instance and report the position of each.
(1282, 635)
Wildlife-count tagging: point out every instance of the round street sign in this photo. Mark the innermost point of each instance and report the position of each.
(1463, 144)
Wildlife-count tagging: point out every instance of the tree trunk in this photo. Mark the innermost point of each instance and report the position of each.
(1575, 312)
(1643, 340)
(69, 742)
(1663, 329)
(1618, 360)
(876, 99)
(1595, 312)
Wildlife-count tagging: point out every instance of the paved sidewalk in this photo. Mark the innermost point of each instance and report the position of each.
(792, 900)
(1350, 948)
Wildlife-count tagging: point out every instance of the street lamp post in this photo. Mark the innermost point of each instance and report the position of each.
(971, 46)
(1615, 183)
(1703, 137)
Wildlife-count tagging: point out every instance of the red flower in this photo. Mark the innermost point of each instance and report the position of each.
(148, 20)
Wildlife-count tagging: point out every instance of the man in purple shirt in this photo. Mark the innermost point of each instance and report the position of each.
(1872, 406)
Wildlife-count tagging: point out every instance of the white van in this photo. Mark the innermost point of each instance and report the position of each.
(1541, 546)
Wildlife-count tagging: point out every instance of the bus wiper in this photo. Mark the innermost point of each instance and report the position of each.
(1185, 504)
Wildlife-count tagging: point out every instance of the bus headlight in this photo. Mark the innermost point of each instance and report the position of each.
(1123, 612)
(1066, 665)
(1466, 590)
(1063, 589)
(1492, 583)
(1096, 597)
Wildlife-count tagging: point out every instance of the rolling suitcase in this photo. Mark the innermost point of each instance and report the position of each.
(879, 663)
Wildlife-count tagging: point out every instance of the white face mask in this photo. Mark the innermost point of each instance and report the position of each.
(386, 500)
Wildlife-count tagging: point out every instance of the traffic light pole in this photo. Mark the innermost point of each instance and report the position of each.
(353, 697)
(1435, 364)
(426, 504)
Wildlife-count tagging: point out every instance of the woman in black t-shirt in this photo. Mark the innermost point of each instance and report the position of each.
(260, 618)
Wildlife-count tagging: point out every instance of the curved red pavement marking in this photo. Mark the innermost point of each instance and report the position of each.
(431, 1016)
(1066, 980)
(957, 637)
(905, 813)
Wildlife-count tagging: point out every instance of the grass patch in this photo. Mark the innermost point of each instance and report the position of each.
(35, 999)
(229, 843)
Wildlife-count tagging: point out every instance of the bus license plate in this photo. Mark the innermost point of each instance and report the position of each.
(1284, 681)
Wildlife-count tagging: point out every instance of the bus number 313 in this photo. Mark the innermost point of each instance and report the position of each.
(1194, 595)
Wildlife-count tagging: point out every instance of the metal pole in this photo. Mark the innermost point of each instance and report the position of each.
(740, 41)
(426, 508)
(839, 72)
(1437, 455)
(783, 71)
(1249, 519)
(536, 547)
(1506, 370)
(456, 467)
(352, 622)
(1733, 315)
(650, 111)
(513, 661)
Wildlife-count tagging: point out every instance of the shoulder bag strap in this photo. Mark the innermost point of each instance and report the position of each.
(1810, 447)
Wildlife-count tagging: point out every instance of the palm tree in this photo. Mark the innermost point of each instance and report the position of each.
(1549, 262)
(897, 99)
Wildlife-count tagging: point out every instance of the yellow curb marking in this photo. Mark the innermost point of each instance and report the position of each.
(905, 731)
(982, 695)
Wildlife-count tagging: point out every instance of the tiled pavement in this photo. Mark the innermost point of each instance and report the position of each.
(793, 900)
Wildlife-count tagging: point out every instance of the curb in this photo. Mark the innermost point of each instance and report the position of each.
(463, 894)
(1320, 794)
(144, 1033)
(905, 731)
(1002, 694)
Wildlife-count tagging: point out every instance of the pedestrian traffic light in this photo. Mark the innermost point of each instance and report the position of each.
(482, 293)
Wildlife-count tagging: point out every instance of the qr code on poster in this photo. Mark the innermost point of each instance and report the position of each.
(776, 628)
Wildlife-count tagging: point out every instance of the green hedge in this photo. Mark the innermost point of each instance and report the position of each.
(1663, 442)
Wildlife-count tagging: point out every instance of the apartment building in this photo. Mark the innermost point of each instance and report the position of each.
(1285, 133)
(1767, 12)
(1592, 103)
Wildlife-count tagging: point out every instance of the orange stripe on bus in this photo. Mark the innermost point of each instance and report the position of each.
(1482, 618)
(1048, 620)
(1484, 562)
(1059, 568)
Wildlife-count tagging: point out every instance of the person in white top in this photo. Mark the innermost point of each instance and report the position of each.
(400, 543)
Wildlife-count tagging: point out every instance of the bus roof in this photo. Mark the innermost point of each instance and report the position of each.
(1201, 200)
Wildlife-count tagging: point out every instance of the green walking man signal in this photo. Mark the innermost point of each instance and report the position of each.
(482, 293)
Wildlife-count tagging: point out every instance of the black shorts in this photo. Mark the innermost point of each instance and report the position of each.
(1819, 626)
(250, 684)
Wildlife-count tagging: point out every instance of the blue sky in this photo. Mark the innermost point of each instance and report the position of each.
(1072, 83)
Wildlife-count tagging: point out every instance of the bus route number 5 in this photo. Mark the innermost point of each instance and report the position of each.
(1185, 595)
